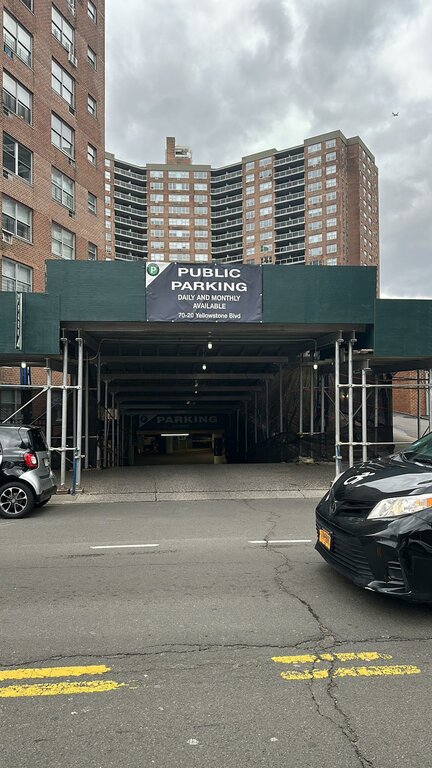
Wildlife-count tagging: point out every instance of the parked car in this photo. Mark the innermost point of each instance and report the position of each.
(26, 478)
(375, 524)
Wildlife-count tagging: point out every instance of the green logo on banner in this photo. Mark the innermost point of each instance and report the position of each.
(152, 270)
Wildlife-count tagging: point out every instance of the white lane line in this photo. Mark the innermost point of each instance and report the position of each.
(123, 546)
(264, 542)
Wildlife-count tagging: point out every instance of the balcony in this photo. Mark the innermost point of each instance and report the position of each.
(293, 196)
(130, 174)
(290, 248)
(227, 176)
(229, 260)
(290, 172)
(128, 245)
(128, 257)
(129, 185)
(292, 260)
(288, 211)
(130, 222)
(225, 200)
(289, 159)
(289, 222)
(290, 185)
(226, 224)
(230, 247)
(130, 198)
(226, 212)
(226, 188)
(129, 233)
(227, 236)
(130, 210)
(290, 235)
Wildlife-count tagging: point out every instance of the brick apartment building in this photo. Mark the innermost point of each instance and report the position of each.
(53, 133)
(316, 203)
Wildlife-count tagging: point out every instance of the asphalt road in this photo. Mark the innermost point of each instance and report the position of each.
(163, 655)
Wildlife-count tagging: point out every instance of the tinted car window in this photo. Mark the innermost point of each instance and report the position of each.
(420, 449)
(13, 437)
(37, 440)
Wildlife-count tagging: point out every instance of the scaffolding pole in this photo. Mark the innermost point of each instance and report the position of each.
(86, 416)
(113, 431)
(246, 428)
(301, 396)
(364, 415)
(256, 418)
(280, 400)
(105, 448)
(429, 399)
(267, 409)
(79, 413)
(49, 406)
(98, 410)
(322, 403)
(350, 402)
(338, 455)
(312, 401)
(64, 415)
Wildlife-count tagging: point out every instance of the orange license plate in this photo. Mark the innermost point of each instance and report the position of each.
(325, 538)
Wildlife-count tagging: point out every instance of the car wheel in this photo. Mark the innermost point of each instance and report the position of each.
(16, 500)
(42, 503)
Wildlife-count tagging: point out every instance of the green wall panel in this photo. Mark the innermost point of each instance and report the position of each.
(7, 322)
(98, 290)
(41, 320)
(307, 294)
(403, 328)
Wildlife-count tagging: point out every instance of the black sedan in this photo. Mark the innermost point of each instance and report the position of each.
(375, 524)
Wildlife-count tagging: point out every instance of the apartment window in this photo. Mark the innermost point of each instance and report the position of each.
(330, 183)
(200, 174)
(265, 185)
(315, 252)
(331, 262)
(266, 248)
(62, 30)
(266, 211)
(200, 210)
(315, 238)
(201, 257)
(266, 199)
(201, 233)
(250, 190)
(250, 238)
(156, 245)
(331, 222)
(250, 251)
(156, 174)
(92, 252)
(91, 58)
(17, 158)
(91, 105)
(331, 195)
(265, 161)
(250, 214)
(315, 212)
(314, 225)
(107, 187)
(314, 161)
(201, 246)
(178, 175)
(28, 3)
(107, 225)
(250, 226)
(178, 198)
(180, 187)
(62, 242)
(157, 199)
(331, 209)
(107, 200)
(108, 236)
(332, 235)
(16, 39)
(62, 189)
(176, 209)
(156, 233)
(266, 223)
(156, 209)
(313, 148)
(315, 199)
(62, 83)
(250, 178)
(157, 257)
(201, 222)
(92, 203)
(156, 185)
(330, 156)
(16, 98)
(157, 222)
(200, 187)
(330, 143)
(91, 155)
(250, 166)
(91, 11)
(266, 236)
(315, 186)
(332, 248)
(179, 247)
(16, 277)
(181, 233)
(330, 170)
(315, 173)
(17, 218)
(200, 198)
(265, 174)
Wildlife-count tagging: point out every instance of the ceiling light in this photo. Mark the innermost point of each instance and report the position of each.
(209, 345)
(204, 367)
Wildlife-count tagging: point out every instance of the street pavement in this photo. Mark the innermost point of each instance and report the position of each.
(202, 649)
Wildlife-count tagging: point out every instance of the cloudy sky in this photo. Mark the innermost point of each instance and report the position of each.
(232, 77)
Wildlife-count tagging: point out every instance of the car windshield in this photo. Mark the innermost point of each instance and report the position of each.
(421, 450)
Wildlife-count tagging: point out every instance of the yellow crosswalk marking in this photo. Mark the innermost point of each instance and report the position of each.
(310, 658)
(56, 689)
(40, 672)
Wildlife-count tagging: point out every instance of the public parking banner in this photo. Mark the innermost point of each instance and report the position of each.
(203, 293)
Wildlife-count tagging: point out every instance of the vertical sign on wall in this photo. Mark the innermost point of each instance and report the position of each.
(204, 294)
(18, 320)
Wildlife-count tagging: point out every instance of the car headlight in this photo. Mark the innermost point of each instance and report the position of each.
(400, 505)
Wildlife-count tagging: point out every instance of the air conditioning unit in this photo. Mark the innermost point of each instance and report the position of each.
(72, 214)
(72, 59)
(6, 111)
(71, 110)
(7, 237)
(6, 173)
(71, 161)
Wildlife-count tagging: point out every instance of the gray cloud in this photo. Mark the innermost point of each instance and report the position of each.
(229, 79)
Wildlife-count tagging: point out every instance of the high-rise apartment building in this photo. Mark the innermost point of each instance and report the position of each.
(53, 134)
(316, 203)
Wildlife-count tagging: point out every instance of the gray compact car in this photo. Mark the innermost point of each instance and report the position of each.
(26, 478)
